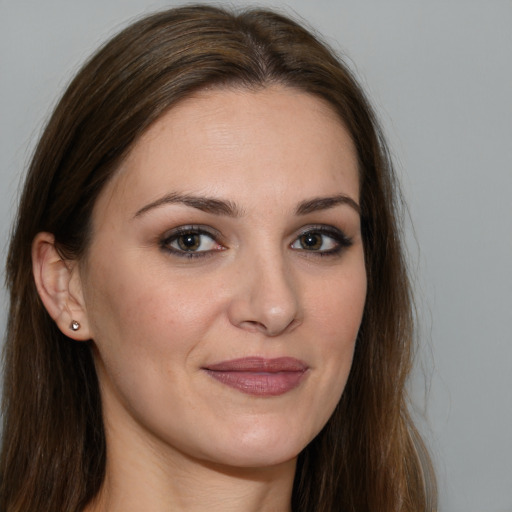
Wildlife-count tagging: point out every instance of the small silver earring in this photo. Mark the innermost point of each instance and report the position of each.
(75, 325)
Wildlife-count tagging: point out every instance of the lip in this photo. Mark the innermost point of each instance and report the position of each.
(259, 376)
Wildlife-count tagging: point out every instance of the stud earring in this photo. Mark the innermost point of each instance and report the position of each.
(74, 326)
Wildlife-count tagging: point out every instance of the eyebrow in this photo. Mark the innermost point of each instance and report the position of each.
(230, 209)
(205, 204)
(324, 203)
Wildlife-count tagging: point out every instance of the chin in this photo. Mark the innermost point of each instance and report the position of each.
(255, 450)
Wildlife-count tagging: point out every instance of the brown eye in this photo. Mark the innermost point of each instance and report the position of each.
(321, 240)
(311, 241)
(189, 241)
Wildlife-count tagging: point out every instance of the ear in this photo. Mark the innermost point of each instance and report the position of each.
(59, 286)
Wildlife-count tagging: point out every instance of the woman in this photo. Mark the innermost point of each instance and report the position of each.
(219, 315)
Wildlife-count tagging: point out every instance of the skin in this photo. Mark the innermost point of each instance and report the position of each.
(177, 438)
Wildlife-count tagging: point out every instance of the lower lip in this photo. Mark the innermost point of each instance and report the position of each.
(259, 383)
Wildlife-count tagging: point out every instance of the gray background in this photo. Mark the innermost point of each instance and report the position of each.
(440, 75)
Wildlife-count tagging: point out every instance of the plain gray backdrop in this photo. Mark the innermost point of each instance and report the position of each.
(440, 75)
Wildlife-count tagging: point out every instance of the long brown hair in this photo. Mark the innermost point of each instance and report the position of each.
(369, 455)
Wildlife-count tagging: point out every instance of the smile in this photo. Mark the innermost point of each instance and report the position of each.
(259, 376)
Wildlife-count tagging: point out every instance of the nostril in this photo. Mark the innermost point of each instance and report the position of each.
(252, 326)
(270, 330)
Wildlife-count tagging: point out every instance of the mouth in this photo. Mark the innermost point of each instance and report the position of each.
(259, 376)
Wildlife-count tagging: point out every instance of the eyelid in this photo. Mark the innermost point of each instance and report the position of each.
(173, 234)
(342, 240)
(323, 228)
(194, 228)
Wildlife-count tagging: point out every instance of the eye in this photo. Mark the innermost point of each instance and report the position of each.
(324, 240)
(191, 242)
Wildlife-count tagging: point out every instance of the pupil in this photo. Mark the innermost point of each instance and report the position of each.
(311, 241)
(188, 242)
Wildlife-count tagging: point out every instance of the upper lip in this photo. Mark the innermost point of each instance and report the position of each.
(259, 364)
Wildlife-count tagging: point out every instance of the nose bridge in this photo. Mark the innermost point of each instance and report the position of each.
(266, 297)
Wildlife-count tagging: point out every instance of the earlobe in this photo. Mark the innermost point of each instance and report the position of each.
(58, 284)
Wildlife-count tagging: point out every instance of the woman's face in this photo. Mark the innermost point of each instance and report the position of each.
(225, 281)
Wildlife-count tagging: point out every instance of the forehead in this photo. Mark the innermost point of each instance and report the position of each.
(246, 145)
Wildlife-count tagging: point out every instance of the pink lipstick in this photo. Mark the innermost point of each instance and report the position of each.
(259, 376)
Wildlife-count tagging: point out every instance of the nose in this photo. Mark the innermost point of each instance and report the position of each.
(265, 298)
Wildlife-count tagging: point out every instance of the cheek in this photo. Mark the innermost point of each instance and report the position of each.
(145, 326)
(338, 304)
(336, 309)
(134, 302)
(148, 329)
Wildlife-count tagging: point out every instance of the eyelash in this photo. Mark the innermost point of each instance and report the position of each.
(340, 241)
(176, 234)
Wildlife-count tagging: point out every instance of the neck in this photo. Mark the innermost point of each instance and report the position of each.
(198, 488)
(143, 477)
